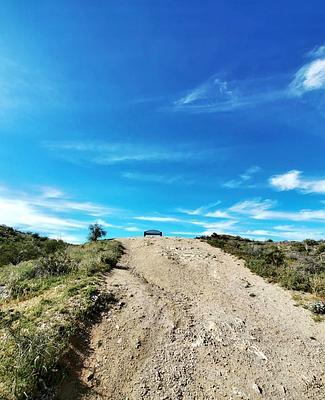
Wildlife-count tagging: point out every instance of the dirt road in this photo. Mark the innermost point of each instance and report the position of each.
(194, 323)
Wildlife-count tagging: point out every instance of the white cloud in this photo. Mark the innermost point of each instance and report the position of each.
(74, 239)
(317, 52)
(132, 229)
(248, 174)
(293, 232)
(200, 210)
(23, 88)
(51, 192)
(252, 207)
(216, 226)
(20, 213)
(310, 76)
(73, 206)
(211, 93)
(104, 153)
(220, 95)
(243, 179)
(157, 219)
(301, 215)
(218, 214)
(297, 234)
(186, 233)
(262, 210)
(293, 180)
(156, 178)
(45, 213)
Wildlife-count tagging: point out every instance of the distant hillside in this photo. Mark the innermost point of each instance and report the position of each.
(16, 246)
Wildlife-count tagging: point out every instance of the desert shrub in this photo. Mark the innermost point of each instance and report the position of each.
(294, 265)
(295, 279)
(318, 307)
(317, 284)
(321, 248)
(273, 256)
(298, 246)
(260, 267)
(36, 276)
(16, 246)
(53, 265)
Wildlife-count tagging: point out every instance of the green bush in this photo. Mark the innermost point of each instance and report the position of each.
(16, 246)
(53, 265)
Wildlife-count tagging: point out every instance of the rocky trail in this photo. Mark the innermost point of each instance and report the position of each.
(193, 323)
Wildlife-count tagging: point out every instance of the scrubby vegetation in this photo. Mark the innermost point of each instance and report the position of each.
(294, 265)
(44, 301)
(16, 246)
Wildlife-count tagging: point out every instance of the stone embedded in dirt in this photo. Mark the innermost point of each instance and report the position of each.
(257, 388)
(121, 304)
(90, 376)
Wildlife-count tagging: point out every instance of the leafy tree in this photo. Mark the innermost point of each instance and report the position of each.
(96, 232)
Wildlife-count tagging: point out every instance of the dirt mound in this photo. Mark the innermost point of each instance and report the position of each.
(194, 323)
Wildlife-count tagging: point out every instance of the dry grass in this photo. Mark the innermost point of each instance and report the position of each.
(43, 303)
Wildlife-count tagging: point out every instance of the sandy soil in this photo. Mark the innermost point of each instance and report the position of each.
(194, 323)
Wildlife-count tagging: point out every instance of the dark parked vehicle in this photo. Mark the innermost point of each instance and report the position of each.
(152, 232)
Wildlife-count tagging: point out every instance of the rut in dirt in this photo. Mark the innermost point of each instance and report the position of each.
(194, 323)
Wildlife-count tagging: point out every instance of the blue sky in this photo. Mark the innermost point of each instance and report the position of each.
(189, 117)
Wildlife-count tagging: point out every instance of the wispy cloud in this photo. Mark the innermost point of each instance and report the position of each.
(220, 226)
(23, 215)
(105, 153)
(57, 200)
(186, 233)
(252, 207)
(46, 211)
(218, 214)
(285, 232)
(157, 178)
(310, 76)
(293, 180)
(244, 179)
(52, 193)
(25, 88)
(200, 210)
(132, 229)
(264, 210)
(157, 219)
(221, 95)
